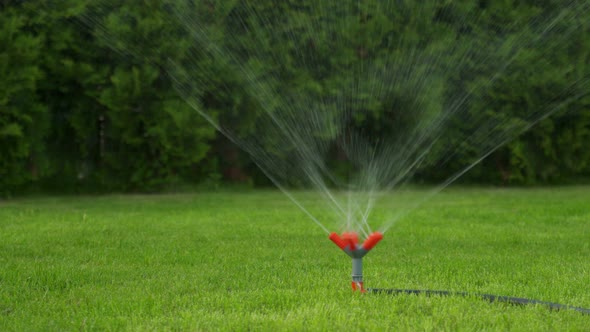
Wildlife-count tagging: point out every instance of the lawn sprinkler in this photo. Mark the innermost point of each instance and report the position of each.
(349, 243)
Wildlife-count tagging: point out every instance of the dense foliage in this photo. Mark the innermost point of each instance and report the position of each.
(78, 111)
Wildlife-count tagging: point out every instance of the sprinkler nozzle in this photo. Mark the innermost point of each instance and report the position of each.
(348, 242)
(372, 240)
(337, 240)
(351, 239)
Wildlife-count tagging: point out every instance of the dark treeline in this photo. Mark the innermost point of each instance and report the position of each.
(78, 115)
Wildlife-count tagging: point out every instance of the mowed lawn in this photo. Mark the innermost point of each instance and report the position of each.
(253, 261)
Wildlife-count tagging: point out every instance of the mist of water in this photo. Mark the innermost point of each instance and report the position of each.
(358, 83)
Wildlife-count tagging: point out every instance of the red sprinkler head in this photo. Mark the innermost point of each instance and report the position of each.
(372, 240)
(338, 240)
(351, 239)
(348, 242)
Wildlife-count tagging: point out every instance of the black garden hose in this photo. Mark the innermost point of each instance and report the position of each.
(487, 297)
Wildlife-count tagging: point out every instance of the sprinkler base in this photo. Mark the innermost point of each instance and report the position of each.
(358, 286)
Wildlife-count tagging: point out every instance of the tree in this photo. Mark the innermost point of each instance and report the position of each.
(23, 117)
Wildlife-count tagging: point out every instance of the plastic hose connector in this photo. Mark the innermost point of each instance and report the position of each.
(338, 240)
(358, 286)
(372, 240)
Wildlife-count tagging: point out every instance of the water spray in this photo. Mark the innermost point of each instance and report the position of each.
(295, 130)
(349, 243)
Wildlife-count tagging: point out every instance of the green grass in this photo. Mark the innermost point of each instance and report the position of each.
(252, 261)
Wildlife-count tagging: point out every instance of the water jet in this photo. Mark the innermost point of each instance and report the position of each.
(415, 91)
